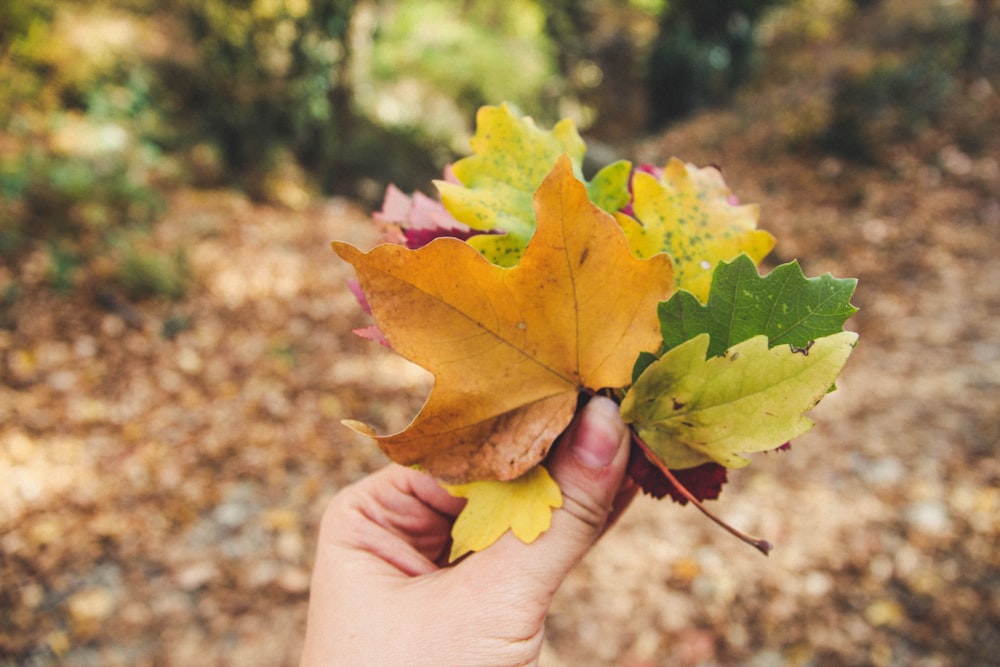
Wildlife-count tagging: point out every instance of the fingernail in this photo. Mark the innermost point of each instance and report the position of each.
(599, 434)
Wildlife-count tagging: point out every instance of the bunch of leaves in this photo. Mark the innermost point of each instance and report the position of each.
(540, 288)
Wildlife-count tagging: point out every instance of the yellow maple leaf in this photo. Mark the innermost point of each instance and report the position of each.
(688, 214)
(511, 348)
(511, 156)
(523, 506)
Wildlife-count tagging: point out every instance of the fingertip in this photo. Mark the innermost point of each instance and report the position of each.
(589, 464)
(599, 435)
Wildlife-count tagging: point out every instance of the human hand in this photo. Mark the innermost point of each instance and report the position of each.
(383, 594)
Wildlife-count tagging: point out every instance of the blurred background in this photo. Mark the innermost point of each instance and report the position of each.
(175, 332)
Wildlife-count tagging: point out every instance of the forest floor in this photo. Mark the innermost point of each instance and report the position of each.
(163, 466)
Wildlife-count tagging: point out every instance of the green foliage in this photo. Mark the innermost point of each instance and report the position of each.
(892, 101)
(63, 262)
(104, 102)
(81, 160)
(705, 49)
(911, 83)
(82, 212)
(25, 27)
(144, 270)
(71, 199)
(471, 54)
(264, 76)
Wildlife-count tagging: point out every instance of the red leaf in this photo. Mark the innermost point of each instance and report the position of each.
(418, 238)
(372, 333)
(646, 169)
(704, 481)
(355, 288)
(416, 221)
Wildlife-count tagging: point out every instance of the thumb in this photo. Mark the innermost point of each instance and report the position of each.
(589, 466)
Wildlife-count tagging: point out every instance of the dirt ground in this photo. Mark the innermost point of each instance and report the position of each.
(163, 466)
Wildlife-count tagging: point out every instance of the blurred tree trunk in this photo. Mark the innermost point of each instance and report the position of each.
(703, 53)
(599, 59)
(982, 12)
(329, 152)
(569, 23)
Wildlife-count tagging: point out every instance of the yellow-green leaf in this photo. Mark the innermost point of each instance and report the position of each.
(511, 156)
(688, 214)
(690, 410)
(523, 506)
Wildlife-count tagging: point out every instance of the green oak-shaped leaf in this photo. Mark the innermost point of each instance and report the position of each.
(691, 410)
(511, 157)
(784, 305)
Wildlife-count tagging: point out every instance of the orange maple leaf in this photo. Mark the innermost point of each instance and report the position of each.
(511, 348)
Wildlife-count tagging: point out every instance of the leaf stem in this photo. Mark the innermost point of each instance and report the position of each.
(758, 543)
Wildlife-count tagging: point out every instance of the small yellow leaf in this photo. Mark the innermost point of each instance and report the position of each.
(523, 506)
(885, 612)
(688, 214)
